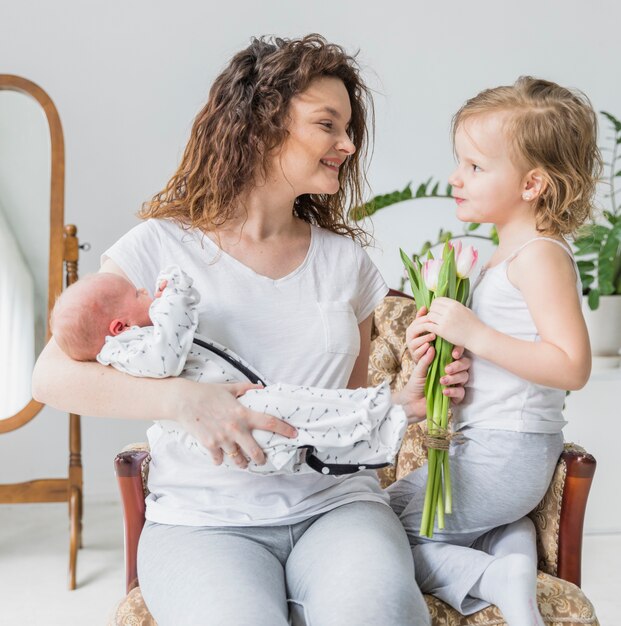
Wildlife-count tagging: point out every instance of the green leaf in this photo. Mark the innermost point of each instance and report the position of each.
(443, 280)
(608, 254)
(586, 280)
(434, 191)
(611, 217)
(463, 290)
(613, 120)
(473, 226)
(493, 233)
(421, 191)
(449, 190)
(593, 299)
(416, 282)
(426, 247)
(452, 274)
(593, 233)
(586, 247)
(586, 266)
(617, 174)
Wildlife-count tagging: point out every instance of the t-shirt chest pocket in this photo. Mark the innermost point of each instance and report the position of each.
(340, 327)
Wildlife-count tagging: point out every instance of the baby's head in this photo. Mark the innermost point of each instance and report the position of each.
(93, 307)
(551, 131)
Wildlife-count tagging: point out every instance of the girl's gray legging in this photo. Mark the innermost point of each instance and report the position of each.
(349, 566)
(498, 477)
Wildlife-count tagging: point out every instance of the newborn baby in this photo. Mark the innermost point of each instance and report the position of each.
(104, 317)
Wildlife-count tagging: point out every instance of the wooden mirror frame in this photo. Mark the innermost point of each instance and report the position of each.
(63, 255)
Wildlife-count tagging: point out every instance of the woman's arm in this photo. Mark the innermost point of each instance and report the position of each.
(209, 412)
(360, 373)
(562, 358)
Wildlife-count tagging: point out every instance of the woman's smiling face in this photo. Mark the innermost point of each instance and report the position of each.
(318, 142)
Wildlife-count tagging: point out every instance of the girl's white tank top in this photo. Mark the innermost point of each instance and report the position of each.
(496, 398)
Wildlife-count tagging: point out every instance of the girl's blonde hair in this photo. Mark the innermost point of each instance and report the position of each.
(553, 129)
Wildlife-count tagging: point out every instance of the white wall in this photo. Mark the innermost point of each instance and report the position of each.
(127, 79)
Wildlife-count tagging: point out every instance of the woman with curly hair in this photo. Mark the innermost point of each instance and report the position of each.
(256, 213)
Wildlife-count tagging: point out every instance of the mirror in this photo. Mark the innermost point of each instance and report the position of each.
(32, 163)
(36, 250)
(25, 169)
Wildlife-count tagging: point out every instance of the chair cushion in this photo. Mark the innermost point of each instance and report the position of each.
(561, 604)
(132, 611)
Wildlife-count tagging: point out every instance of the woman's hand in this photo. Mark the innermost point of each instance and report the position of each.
(417, 338)
(212, 414)
(412, 396)
(418, 341)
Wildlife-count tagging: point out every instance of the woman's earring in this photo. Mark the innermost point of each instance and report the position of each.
(527, 196)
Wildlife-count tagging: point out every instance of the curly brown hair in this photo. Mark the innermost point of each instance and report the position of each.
(246, 117)
(554, 129)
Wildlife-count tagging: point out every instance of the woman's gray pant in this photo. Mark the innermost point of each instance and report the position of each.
(498, 477)
(351, 565)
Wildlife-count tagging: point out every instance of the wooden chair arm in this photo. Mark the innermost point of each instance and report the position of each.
(128, 468)
(580, 470)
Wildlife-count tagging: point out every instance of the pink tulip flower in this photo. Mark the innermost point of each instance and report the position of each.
(431, 273)
(455, 245)
(465, 260)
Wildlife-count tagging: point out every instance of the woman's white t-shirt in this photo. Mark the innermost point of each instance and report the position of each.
(301, 329)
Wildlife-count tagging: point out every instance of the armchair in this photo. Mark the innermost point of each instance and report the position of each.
(558, 518)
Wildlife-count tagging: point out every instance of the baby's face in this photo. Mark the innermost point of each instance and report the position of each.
(136, 303)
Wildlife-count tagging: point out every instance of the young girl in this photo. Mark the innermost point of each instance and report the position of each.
(527, 162)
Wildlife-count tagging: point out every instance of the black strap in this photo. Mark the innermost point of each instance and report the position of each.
(336, 469)
(248, 373)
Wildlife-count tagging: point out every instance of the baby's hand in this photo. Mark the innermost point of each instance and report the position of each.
(160, 288)
(452, 321)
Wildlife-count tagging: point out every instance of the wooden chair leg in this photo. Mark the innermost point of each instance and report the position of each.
(75, 503)
(80, 515)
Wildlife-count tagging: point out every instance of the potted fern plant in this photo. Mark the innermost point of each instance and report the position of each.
(598, 251)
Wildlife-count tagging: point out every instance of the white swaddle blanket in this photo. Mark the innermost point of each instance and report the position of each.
(339, 430)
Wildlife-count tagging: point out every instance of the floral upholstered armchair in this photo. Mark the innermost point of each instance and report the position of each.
(558, 518)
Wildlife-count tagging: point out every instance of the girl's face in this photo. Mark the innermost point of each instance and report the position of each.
(318, 143)
(487, 185)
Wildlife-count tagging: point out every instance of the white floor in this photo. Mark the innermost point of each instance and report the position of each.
(34, 555)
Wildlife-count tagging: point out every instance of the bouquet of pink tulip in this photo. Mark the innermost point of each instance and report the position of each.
(434, 278)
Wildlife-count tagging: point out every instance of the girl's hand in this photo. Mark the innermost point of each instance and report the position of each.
(452, 321)
(417, 339)
(211, 413)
